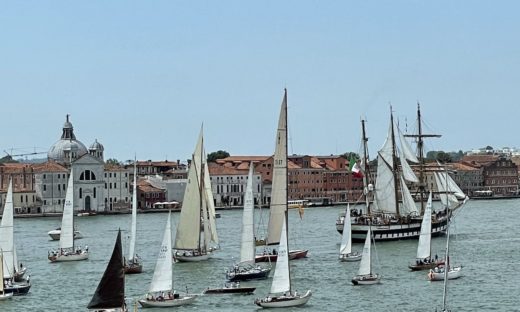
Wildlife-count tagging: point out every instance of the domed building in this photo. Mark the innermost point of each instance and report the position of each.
(67, 148)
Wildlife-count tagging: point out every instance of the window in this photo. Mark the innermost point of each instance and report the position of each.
(21, 198)
(94, 192)
(110, 185)
(45, 202)
(80, 192)
(105, 185)
(59, 187)
(115, 185)
(87, 175)
(44, 187)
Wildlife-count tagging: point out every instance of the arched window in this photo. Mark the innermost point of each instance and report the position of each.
(87, 175)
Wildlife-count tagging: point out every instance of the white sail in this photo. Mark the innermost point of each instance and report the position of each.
(162, 279)
(406, 149)
(7, 234)
(210, 203)
(206, 223)
(279, 185)
(281, 278)
(408, 206)
(424, 247)
(346, 238)
(67, 220)
(406, 170)
(247, 247)
(188, 229)
(1, 272)
(133, 229)
(365, 265)
(444, 186)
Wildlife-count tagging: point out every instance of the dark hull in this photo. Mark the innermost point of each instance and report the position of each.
(18, 290)
(393, 232)
(293, 255)
(425, 266)
(246, 276)
(239, 290)
(133, 269)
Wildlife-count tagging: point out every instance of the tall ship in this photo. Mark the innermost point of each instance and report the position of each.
(394, 213)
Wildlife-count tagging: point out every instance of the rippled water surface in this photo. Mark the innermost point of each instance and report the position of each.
(485, 240)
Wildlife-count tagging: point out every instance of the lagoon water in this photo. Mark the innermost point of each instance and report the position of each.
(485, 240)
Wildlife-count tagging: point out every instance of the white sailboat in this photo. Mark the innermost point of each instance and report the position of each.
(446, 272)
(345, 250)
(246, 269)
(281, 295)
(365, 275)
(133, 262)
(3, 294)
(423, 260)
(279, 198)
(8, 248)
(67, 251)
(161, 293)
(196, 236)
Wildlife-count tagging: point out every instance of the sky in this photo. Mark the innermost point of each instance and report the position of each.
(141, 77)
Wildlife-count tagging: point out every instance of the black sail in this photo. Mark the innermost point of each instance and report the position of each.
(110, 292)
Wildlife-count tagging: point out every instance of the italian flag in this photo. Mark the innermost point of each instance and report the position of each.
(355, 168)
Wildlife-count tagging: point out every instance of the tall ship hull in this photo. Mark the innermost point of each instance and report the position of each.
(393, 232)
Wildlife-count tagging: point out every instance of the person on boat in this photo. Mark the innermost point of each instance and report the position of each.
(275, 252)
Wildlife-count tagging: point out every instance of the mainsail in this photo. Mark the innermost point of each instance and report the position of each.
(424, 247)
(281, 278)
(365, 267)
(279, 185)
(162, 275)
(247, 247)
(133, 230)
(67, 221)
(346, 239)
(110, 293)
(7, 234)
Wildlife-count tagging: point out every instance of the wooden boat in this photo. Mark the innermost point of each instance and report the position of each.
(230, 288)
(196, 238)
(133, 263)
(110, 292)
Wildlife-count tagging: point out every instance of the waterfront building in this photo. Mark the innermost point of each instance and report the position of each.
(228, 184)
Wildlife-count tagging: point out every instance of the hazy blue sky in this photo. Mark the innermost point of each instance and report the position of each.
(141, 76)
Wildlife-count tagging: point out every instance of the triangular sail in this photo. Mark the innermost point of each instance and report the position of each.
(279, 185)
(188, 229)
(133, 230)
(210, 203)
(346, 238)
(7, 234)
(247, 247)
(406, 149)
(67, 221)
(365, 265)
(281, 279)
(110, 293)
(424, 247)
(408, 206)
(1, 273)
(449, 191)
(163, 274)
(406, 170)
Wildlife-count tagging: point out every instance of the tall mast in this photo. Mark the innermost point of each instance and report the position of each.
(201, 189)
(420, 151)
(286, 188)
(366, 180)
(394, 161)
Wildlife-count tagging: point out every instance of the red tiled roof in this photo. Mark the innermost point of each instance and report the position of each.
(462, 166)
(156, 163)
(216, 169)
(49, 166)
(243, 159)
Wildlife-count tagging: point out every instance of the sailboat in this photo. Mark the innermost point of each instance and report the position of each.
(110, 292)
(196, 233)
(282, 294)
(279, 198)
(161, 293)
(9, 263)
(447, 271)
(3, 294)
(365, 275)
(246, 268)
(67, 250)
(445, 288)
(345, 249)
(133, 263)
(394, 215)
(423, 260)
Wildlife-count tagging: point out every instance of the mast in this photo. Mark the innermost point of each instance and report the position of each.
(366, 180)
(446, 267)
(285, 185)
(201, 199)
(395, 162)
(420, 151)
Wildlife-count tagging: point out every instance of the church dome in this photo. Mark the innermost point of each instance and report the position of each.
(67, 147)
(96, 146)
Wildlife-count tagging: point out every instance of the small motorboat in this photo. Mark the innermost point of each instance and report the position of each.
(55, 234)
(230, 288)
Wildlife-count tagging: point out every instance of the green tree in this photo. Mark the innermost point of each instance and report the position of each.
(217, 155)
(113, 161)
(443, 157)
